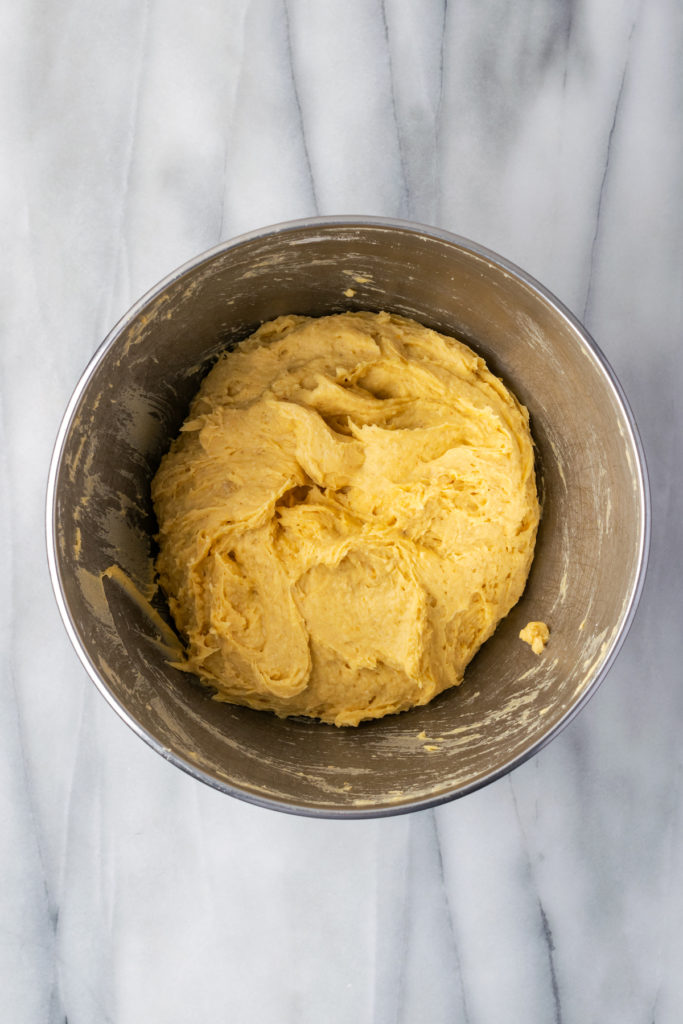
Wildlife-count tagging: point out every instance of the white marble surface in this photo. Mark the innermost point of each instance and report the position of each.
(136, 134)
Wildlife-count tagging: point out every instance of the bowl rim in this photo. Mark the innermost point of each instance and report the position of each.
(640, 474)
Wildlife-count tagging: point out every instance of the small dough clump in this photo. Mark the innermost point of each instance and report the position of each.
(348, 512)
(536, 635)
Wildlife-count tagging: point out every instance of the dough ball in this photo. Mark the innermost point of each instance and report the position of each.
(348, 512)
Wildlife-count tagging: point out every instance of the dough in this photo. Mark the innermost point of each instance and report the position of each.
(348, 512)
(535, 634)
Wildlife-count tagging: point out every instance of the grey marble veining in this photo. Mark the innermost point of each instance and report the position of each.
(138, 134)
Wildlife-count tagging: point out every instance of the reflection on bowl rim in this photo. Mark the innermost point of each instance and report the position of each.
(640, 474)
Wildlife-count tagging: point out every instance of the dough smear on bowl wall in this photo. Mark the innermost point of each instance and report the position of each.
(348, 512)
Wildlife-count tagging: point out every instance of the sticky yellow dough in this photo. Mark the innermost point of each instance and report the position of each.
(535, 634)
(348, 512)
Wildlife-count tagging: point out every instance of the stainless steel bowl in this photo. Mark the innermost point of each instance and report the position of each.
(590, 556)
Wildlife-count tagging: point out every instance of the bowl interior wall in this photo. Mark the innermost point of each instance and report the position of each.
(587, 556)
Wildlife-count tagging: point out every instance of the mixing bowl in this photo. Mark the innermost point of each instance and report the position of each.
(590, 555)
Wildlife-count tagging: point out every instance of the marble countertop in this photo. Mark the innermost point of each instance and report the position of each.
(139, 134)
